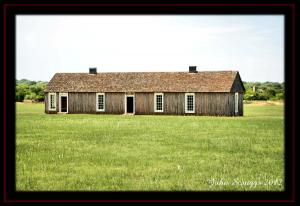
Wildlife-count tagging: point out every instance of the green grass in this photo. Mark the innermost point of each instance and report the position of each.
(116, 152)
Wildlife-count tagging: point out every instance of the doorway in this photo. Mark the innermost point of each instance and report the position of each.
(63, 103)
(129, 104)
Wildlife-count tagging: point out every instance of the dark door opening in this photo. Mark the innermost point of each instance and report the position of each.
(63, 104)
(129, 103)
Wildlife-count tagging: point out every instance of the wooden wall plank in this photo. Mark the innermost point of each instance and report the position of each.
(144, 103)
(237, 85)
(82, 102)
(174, 103)
(114, 103)
(213, 104)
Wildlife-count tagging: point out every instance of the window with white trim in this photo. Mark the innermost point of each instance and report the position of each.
(158, 102)
(189, 102)
(236, 102)
(52, 101)
(100, 102)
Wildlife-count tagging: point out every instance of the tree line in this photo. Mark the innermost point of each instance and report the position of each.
(264, 91)
(30, 90)
(34, 90)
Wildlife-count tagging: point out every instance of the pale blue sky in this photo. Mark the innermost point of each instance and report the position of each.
(251, 44)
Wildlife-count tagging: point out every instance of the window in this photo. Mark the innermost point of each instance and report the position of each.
(189, 103)
(236, 102)
(52, 101)
(158, 102)
(100, 102)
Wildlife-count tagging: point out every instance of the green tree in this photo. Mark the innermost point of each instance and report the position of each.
(269, 92)
(30, 90)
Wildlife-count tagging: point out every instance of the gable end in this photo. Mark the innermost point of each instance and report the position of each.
(237, 85)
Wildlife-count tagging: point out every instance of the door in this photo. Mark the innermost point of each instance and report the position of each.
(64, 104)
(129, 104)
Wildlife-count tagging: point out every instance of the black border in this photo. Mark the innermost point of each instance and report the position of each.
(9, 12)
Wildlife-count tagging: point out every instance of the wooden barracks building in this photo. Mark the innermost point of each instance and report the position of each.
(172, 93)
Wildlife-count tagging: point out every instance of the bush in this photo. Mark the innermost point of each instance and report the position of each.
(279, 96)
(30, 90)
(270, 92)
(30, 96)
(261, 96)
(20, 96)
(39, 98)
(249, 95)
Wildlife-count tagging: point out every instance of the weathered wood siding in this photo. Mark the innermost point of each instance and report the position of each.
(82, 102)
(114, 103)
(241, 105)
(174, 103)
(144, 103)
(221, 104)
(46, 102)
(237, 85)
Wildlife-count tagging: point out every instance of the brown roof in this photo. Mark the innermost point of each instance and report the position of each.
(212, 81)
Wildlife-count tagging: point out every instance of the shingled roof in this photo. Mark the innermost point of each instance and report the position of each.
(206, 81)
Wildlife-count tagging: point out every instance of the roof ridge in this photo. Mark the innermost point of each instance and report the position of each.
(185, 72)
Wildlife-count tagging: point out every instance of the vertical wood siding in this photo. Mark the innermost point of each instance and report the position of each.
(221, 104)
(174, 103)
(114, 103)
(57, 102)
(46, 102)
(82, 102)
(237, 85)
(144, 103)
(241, 105)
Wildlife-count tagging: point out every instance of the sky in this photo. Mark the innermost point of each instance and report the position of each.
(250, 44)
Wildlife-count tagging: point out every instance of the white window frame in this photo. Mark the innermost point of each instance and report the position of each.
(59, 101)
(155, 102)
(49, 102)
(186, 105)
(236, 102)
(97, 101)
(125, 102)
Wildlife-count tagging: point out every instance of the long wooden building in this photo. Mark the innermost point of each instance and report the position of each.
(172, 93)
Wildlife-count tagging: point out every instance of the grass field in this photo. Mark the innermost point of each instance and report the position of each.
(117, 152)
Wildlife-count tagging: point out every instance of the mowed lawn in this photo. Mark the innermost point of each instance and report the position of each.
(87, 152)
